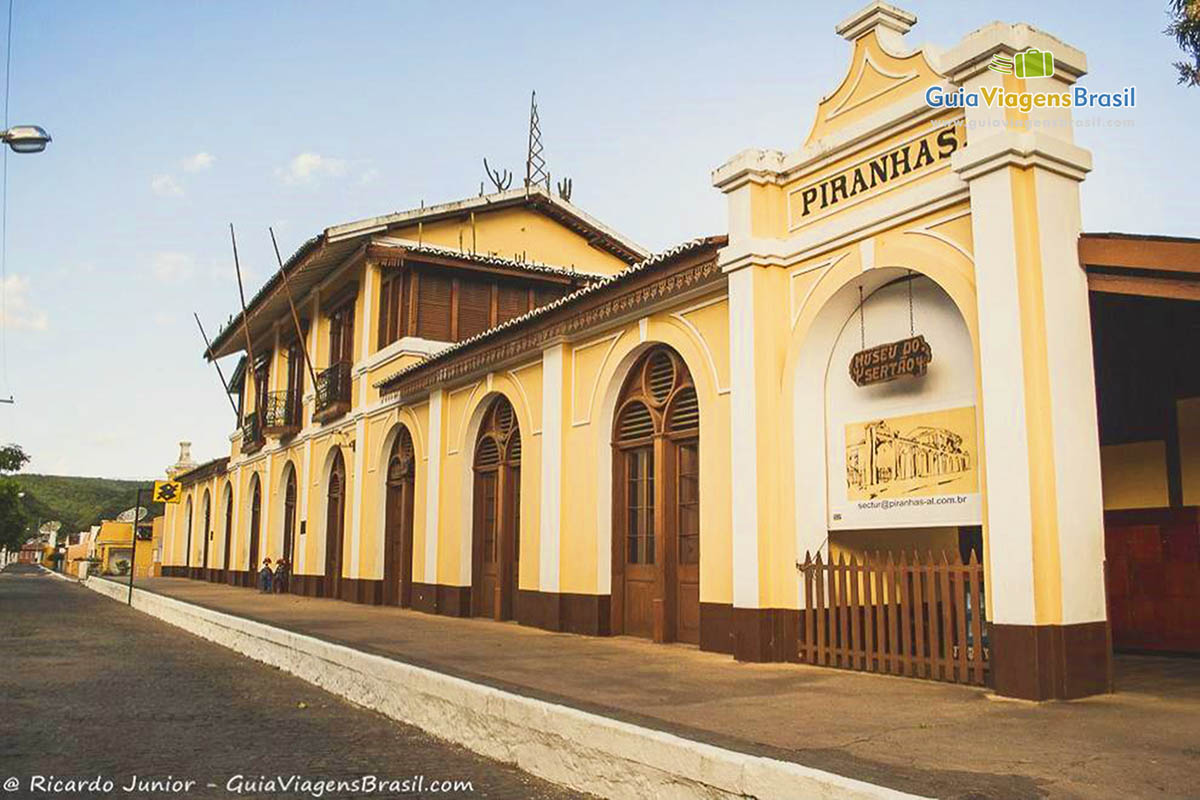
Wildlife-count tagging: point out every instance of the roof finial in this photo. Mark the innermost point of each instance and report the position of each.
(535, 165)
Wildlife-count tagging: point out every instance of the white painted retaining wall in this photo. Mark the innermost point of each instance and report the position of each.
(584, 751)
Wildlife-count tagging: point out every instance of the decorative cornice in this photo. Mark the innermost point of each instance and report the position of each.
(1011, 148)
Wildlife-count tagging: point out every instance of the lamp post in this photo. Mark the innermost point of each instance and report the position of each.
(25, 138)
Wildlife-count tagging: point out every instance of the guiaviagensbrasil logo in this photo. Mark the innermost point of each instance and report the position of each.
(1032, 63)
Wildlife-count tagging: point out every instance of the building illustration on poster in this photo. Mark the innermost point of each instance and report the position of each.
(895, 458)
(910, 470)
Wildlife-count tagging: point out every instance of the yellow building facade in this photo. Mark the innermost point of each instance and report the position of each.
(504, 408)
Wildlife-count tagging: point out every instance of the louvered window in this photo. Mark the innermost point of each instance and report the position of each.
(658, 402)
(511, 301)
(636, 423)
(660, 376)
(685, 411)
(546, 295)
(433, 307)
(474, 308)
(487, 454)
(393, 307)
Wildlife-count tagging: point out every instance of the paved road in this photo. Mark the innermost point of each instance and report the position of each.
(91, 688)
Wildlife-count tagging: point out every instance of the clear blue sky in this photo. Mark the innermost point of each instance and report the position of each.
(119, 230)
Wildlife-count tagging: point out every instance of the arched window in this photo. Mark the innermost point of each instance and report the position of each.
(398, 523)
(497, 527)
(656, 527)
(335, 524)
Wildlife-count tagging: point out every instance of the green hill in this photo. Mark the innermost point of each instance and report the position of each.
(76, 502)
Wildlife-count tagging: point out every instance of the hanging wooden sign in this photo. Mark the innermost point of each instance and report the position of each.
(886, 362)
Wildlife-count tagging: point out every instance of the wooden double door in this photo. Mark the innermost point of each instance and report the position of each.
(496, 536)
(398, 523)
(656, 498)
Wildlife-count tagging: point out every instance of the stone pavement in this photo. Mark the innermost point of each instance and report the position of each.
(915, 736)
(89, 687)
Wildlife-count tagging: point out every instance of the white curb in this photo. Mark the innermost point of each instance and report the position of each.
(584, 751)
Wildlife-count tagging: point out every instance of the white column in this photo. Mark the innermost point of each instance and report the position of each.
(367, 328)
(301, 554)
(744, 425)
(550, 519)
(433, 477)
(360, 449)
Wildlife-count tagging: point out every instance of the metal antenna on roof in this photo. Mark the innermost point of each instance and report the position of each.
(500, 179)
(245, 322)
(535, 165)
(217, 364)
(295, 317)
(564, 189)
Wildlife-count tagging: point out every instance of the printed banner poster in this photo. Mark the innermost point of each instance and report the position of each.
(909, 471)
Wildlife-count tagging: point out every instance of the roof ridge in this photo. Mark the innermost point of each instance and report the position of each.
(485, 258)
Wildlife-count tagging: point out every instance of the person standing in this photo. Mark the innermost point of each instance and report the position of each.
(264, 576)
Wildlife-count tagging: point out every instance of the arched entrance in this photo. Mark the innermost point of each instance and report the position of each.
(656, 494)
(255, 528)
(398, 524)
(207, 531)
(496, 538)
(228, 532)
(335, 523)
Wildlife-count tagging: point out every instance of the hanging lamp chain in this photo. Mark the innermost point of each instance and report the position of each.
(912, 331)
(862, 325)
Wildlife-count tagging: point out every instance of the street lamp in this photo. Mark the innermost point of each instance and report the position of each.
(25, 138)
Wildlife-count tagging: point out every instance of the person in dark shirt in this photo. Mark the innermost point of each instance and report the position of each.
(280, 584)
(264, 576)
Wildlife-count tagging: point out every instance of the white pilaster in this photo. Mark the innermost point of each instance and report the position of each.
(744, 432)
(301, 554)
(552, 444)
(433, 485)
(360, 449)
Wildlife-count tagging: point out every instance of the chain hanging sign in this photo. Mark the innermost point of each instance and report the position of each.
(886, 362)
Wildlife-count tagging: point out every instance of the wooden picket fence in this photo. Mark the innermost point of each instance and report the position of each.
(919, 618)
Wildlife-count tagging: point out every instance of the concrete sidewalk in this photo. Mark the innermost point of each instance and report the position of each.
(914, 736)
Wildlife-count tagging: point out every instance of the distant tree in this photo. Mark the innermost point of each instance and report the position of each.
(12, 512)
(1185, 27)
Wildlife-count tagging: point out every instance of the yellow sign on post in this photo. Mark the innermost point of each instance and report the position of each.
(167, 491)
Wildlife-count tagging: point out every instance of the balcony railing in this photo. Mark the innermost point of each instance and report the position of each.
(333, 391)
(280, 413)
(252, 433)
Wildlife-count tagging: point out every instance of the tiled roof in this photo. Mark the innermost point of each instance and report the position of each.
(312, 260)
(541, 311)
(205, 470)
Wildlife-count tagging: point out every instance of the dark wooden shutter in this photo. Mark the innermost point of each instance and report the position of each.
(387, 311)
(474, 308)
(433, 308)
(547, 295)
(403, 299)
(512, 301)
